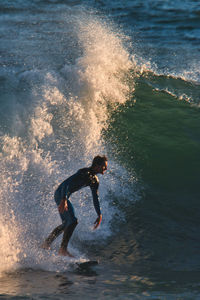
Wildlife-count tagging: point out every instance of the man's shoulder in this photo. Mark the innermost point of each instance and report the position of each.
(88, 175)
(84, 171)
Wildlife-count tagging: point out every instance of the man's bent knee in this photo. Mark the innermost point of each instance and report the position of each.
(73, 223)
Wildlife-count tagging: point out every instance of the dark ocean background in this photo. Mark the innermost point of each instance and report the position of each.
(81, 78)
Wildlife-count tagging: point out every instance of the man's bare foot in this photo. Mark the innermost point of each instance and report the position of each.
(45, 246)
(64, 252)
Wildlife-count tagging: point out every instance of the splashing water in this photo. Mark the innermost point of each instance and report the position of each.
(57, 128)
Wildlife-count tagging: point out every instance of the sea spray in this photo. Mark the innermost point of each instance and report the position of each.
(67, 110)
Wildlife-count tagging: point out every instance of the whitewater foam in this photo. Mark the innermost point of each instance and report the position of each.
(59, 118)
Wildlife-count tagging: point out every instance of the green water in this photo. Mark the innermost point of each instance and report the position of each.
(159, 137)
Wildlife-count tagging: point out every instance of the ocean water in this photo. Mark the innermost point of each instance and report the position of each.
(121, 78)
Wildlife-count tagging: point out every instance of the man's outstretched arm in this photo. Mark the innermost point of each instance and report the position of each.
(96, 206)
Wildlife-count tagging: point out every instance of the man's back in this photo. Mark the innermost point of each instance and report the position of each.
(82, 178)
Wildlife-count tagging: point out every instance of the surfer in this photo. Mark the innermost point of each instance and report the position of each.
(84, 177)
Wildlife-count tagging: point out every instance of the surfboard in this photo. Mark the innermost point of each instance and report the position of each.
(87, 264)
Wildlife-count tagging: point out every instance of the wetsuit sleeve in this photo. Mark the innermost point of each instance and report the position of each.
(64, 189)
(95, 195)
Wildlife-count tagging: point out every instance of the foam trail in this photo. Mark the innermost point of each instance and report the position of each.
(57, 132)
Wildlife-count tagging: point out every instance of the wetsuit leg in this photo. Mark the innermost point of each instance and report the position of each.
(54, 234)
(67, 235)
(70, 222)
(68, 216)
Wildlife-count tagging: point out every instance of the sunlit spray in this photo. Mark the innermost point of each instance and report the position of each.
(62, 131)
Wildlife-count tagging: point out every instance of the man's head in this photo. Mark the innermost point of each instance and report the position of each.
(99, 164)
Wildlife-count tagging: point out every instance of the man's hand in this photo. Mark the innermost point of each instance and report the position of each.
(97, 222)
(63, 206)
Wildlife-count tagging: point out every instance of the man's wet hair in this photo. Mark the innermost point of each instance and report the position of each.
(99, 160)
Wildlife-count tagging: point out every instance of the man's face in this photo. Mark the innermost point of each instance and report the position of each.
(102, 168)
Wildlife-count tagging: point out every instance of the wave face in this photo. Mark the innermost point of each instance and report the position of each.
(158, 137)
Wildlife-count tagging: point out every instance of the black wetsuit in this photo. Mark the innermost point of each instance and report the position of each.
(83, 177)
